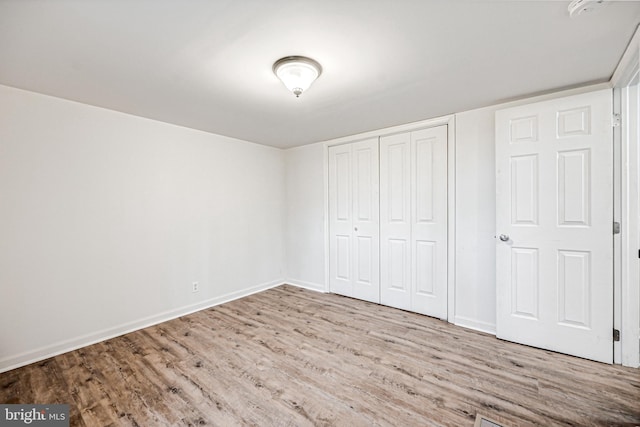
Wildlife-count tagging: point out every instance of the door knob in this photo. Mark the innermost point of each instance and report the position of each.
(504, 237)
(355, 228)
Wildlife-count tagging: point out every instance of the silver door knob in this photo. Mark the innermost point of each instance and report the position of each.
(355, 228)
(504, 237)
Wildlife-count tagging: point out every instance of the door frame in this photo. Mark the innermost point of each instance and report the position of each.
(627, 210)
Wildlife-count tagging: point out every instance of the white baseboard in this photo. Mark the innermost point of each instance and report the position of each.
(36, 355)
(476, 325)
(306, 285)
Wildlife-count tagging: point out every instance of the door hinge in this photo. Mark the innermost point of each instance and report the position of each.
(615, 120)
(616, 228)
(616, 335)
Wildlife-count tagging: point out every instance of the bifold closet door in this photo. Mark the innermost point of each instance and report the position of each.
(413, 221)
(354, 220)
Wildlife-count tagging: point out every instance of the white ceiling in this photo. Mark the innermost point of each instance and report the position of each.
(206, 64)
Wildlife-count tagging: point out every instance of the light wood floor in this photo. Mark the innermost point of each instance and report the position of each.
(292, 357)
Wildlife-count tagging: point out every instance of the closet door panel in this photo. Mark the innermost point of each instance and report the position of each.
(395, 221)
(429, 221)
(340, 220)
(366, 202)
(354, 245)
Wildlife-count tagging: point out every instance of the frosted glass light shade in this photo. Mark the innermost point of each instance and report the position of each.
(297, 72)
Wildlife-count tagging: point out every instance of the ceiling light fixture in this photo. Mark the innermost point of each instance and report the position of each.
(577, 7)
(297, 72)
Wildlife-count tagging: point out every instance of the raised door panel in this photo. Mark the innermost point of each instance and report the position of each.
(524, 282)
(574, 188)
(524, 190)
(426, 268)
(574, 288)
(395, 221)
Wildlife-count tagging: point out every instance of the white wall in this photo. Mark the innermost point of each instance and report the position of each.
(305, 216)
(107, 218)
(475, 295)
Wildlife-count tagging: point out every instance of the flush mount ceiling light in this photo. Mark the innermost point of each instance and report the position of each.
(577, 7)
(297, 72)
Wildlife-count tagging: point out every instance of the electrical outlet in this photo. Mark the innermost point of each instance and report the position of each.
(195, 287)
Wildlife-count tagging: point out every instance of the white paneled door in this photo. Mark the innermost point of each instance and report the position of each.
(413, 221)
(554, 220)
(354, 220)
(395, 220)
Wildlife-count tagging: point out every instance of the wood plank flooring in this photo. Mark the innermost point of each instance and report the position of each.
(292, 357)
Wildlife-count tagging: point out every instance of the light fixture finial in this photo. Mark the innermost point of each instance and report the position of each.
(297, 72)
